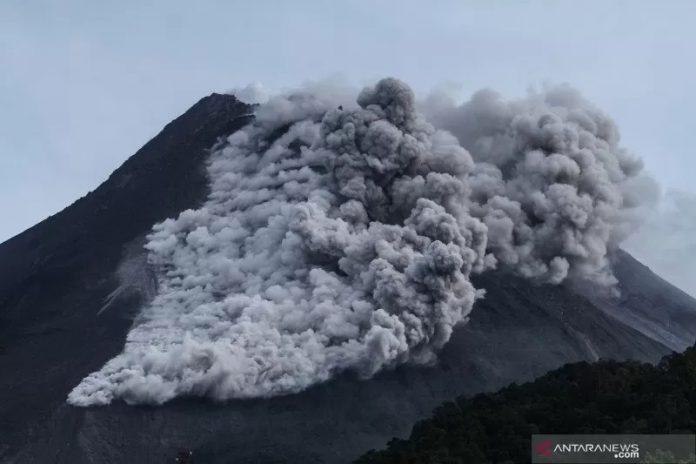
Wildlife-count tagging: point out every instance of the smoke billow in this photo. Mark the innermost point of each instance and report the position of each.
(342, 239)
(551, 182)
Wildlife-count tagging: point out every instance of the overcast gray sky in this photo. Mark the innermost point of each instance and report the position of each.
(84, 84)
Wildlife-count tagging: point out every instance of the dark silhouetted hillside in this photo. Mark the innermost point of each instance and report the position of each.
(594, 398)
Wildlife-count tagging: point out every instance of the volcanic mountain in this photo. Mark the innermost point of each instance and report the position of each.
(71, 287)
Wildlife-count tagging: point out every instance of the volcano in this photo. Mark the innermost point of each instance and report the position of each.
(71, 287)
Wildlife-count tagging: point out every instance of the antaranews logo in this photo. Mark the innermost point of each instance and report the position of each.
(547, 448)
(619, 450)
(608, 448)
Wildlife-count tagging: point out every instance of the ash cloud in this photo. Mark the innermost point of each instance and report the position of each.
(341, 236)
(551, 182)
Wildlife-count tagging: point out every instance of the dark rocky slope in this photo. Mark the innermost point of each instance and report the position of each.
(56, 277)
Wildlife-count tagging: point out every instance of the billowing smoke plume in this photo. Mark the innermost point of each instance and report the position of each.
(342, 239)
(551, 182)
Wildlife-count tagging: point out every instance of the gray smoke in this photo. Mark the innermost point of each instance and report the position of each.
(311, 256)
(342, 238)
(551, 181)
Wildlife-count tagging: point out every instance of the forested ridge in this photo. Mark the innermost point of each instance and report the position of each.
(600, 397)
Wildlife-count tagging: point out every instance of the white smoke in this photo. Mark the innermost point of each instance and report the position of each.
(341, 238)
(251, 94)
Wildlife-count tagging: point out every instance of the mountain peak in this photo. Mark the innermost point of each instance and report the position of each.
(56, 276)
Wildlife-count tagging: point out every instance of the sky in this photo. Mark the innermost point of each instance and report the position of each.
(84, 84)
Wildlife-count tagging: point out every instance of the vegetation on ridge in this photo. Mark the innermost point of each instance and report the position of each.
(601, 397)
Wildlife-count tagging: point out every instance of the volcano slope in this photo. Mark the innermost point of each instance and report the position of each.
(65, 311)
